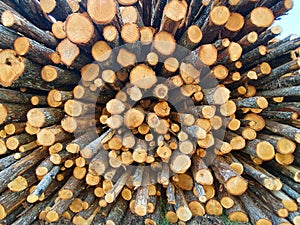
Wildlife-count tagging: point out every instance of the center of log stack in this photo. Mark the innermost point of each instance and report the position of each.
(148, 112)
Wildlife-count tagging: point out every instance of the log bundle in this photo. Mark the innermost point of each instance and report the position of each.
(147, 112)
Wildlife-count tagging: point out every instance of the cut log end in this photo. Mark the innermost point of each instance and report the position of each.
(236, 185)
(96, 10)
(79, 28)
(265, 151)
(208, 54)
(262, 17)
(164, 43)
(238, 217)
(12, 67)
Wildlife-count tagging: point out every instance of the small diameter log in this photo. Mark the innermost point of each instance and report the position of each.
(256, 213)
(80, 29)
(179, 163)
(43, 185)
(271, 201)
(286, 201)
(261, 149)
(76, 186)
(281, 144)
(92, 148)
(218, 16)
(262, 176)
(105, 16)
(8, 37)
(195, 206)
(284, 130)
(60, 77)
(213, 207)
(11, 172)
(292, 172)
(44, 117)
(33, 50)
(254, 102)
(100, 96)
(233, 25)
(291, 192)
(13, 113)
(141, 201)
(13, 142)
(11, 96)
(117, 213)
(70, 55)
(237, 212)
(236, 142)
(191, 38)
(76, 108)
(18, 23)
(164, 43)
(9, 201)
(254, 20)
(59, 9)
(20, 72)
(98, 164)
(30, 214)
(50, 135)
(112, 195)
(233, 182)
(56, 98)
(44, 167)
(201, 173)
(173, 15)
(217, 96)
(183, 211)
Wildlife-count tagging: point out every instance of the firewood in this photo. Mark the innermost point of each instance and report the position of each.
(233, 183)
(171, 20)
(75, 58)
(257, 216)
(260, 175)
(282, 129)
(114, 192)
(58, 9)
(17, 22)
(57, 209)
(289, 171)
(43, 185)
(237, 212)
(183, 211)
(270, 201)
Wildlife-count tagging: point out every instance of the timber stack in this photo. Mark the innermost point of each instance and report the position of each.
(142, 112)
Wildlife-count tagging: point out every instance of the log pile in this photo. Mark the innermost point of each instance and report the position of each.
(116, 112)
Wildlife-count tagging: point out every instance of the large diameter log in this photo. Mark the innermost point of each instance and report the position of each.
(103, 16)
(20, 72)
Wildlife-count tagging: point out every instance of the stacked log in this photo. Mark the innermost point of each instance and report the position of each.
(119, 112)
